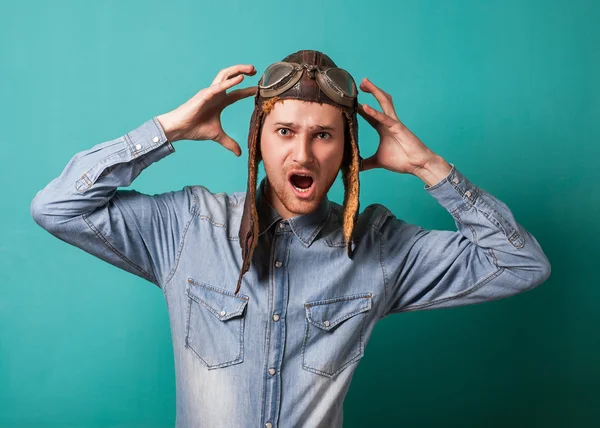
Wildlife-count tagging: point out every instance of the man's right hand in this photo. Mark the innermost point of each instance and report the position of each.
(199, 118)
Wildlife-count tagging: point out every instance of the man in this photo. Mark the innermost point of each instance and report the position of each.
(313, 277)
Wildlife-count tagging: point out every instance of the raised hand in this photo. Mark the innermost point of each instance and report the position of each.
(399, 149)
(199, 118)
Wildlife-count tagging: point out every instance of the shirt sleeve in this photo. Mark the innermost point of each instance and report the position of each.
(136, 232)
(489, 257)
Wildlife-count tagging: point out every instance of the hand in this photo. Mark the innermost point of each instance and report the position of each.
(399, 149)
(199, 118)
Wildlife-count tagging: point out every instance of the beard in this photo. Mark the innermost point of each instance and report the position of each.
(281, 190)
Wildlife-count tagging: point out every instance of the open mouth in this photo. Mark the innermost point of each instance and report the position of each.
(302, 183)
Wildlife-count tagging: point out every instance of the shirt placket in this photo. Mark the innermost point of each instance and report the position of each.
(276, 333)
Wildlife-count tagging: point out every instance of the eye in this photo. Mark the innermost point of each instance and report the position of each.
(326, 135)
(287, 131)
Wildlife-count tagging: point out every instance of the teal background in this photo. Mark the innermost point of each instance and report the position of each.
(507, 91)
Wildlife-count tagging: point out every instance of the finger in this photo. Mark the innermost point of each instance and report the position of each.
(239, 94)
(229, 143)
(226, 84)
(382, 118)
(233, 71)
(368, 118)
(383, 98)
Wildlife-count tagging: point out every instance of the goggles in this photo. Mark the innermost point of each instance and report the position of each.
(335, 82)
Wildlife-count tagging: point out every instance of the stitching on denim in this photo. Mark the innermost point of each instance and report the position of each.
(477, 286)
(217, 289)
(353, 359)
(384, 273)
(339, 320)
(319, 227)
(116, 198)
(383, 217)
(119, 254)
(492, 216)
(187, 324)
(129, 143)
(354, 296)
(159, 128)
(473, 232)
(494, 257)
(283, 325)
(267, 340)
(143, 151)
(210, 220)
(85, 177)
(518, 238)
(238, 359)
(193, 210)
(204, 303)
(331, 243)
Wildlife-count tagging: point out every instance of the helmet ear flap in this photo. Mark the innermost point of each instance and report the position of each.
(249, 228)
(350, 171)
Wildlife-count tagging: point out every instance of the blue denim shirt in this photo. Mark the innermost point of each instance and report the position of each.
(282, 352)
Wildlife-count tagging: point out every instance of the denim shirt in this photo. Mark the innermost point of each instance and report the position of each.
(282, 352)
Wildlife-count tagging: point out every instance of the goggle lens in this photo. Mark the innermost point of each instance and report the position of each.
(276, 73)
(342, 80)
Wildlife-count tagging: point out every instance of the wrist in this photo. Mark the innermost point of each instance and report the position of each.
(433, 170)
(172, 132)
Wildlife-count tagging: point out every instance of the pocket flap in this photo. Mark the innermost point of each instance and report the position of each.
(326, 314)
(223, 304)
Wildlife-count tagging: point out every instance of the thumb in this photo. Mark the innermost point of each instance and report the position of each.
(369, 163)
(229, 143)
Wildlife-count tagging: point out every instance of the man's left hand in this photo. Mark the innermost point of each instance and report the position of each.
(399, 149)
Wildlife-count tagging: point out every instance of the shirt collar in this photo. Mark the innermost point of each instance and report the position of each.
(306, 227)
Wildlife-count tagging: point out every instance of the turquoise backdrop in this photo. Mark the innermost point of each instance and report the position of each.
(508, 91)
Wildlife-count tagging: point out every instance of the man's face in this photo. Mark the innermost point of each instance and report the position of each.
(300, 138)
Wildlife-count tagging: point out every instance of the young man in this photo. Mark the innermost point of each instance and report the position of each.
(273, 293)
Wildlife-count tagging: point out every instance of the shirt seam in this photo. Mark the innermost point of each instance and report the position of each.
(385, 311)
(193, 213)
(99, 235)
(475, 287)
(384, 274)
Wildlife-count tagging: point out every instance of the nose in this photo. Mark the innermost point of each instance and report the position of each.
(303, 150)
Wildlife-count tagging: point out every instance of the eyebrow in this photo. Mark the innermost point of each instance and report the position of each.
(319, 127)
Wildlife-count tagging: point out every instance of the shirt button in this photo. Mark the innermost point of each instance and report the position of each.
(278, 264)
(276, 317)
(455, 179)
(468, 193)
(138, 146)
(326, 323)
(155, 139)
(272, 371)
(281, 225)
(268, 425)
(223, 313)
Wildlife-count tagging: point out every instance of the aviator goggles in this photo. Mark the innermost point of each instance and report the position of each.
(335, 82)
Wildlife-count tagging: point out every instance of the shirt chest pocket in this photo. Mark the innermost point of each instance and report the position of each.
(333, 336)
(215, 324)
